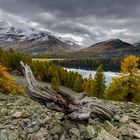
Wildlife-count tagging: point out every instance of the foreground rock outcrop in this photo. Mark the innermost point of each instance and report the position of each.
(23, 119)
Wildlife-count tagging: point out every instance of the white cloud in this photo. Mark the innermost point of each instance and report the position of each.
(47, 16)
(78, 39)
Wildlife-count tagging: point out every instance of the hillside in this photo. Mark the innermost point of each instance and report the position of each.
(31, 41)
(137, 44)
(23, 119)
(106, 49)
(112, 45)
(51, 45)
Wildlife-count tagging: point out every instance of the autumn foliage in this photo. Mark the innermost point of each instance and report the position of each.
(7, 83)
(123, 88)
(42, 70)
(130, 64)
(126, 87)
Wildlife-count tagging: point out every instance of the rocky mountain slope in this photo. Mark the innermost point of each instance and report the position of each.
(31, 41)
(137, 44)
(113, 48)
(71, 42)
(112, 44)
(106, 49)
(23, 119)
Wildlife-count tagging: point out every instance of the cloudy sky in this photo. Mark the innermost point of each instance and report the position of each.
(86, 21)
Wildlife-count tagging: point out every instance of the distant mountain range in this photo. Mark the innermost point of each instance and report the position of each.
(32, 41)
(45, 44)
(111, 44)
(136, 44)
(106, 49)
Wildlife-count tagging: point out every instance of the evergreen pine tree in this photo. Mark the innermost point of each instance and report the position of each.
(55, 80)
(88, 85)
(99, 83)
(77, 84)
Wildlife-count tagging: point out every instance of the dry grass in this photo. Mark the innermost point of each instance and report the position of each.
(46, 59)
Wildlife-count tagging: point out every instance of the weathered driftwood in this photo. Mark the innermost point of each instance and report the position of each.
(77, 108)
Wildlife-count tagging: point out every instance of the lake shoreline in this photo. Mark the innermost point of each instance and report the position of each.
(109, 75)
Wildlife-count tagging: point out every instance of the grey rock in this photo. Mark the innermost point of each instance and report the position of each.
(21, 114)
(2, 97)
(91, 131)
(46, 118)
(124, 119)
(25, 114)
(117, 117)
(74, 137)
(137, 134)
(56, 137)
(8, 135)
(138, 120)
(75, 131)
(124, 131)
(62, 137)
(13, 135)
(41, 135)
(17, 114)
(2, 126)
(23, 119)
(103, 135)
(4, 111)
(111, 129)
(67, 124)
(56, 130)
(84, 132)
(58, 115)
(3, 136)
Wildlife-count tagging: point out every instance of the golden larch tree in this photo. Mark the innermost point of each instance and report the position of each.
(7, 83)
(130, 64)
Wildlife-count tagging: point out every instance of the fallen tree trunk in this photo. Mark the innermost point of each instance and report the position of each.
(77, 108)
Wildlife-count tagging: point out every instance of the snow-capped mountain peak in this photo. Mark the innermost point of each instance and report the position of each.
(11, 34)
(32, 40)
(70, 42)
(3, 23)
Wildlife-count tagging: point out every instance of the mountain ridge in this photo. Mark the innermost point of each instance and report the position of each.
(137, 44)
(42, 43)
(110, 45)
(31, 40)
(105, 49)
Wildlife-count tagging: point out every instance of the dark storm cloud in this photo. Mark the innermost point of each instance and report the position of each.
(92, 20)
(73, 8)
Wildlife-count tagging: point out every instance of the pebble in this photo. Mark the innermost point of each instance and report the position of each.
(17, 114)
(137, 134)
(75, 131)
(124, 119)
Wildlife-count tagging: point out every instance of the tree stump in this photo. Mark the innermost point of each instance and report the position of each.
(77, 108)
